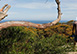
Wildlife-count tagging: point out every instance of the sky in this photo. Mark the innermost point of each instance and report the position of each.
(40, 9)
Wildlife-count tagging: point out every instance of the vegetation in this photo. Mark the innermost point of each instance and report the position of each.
(28, 40)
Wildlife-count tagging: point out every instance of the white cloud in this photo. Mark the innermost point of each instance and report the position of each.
(69, 10)
(41, 16)
(13, 13)
(36, 5)
(68, 0)
(69, 6)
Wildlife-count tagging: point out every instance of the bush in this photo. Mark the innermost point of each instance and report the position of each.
(13, 35)
(23, 40)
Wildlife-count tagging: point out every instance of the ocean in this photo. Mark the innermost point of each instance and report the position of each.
(34, 21)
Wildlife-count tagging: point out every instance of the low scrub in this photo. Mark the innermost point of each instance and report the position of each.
(23, 40)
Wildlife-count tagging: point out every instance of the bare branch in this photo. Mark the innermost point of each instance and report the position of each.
(4, 6)
(8, 7)
(24, 23)
(3, 12)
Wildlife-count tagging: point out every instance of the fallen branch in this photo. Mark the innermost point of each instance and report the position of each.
(25, 23)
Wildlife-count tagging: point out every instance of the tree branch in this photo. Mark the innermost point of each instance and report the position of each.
(25, 23)
(3, 12)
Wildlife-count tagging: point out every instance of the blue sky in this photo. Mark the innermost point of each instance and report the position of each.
(39, 9)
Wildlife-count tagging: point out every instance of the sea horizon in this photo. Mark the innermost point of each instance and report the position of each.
(35, 21)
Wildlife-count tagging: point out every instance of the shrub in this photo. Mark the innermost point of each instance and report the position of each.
(23, 40)
(13, 35)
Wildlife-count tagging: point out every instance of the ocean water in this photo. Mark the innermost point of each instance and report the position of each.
(34, 21)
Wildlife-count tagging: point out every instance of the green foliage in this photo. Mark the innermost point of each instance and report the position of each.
(12, 35)
(23, 40)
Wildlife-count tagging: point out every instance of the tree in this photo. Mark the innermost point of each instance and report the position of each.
(25, 23)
